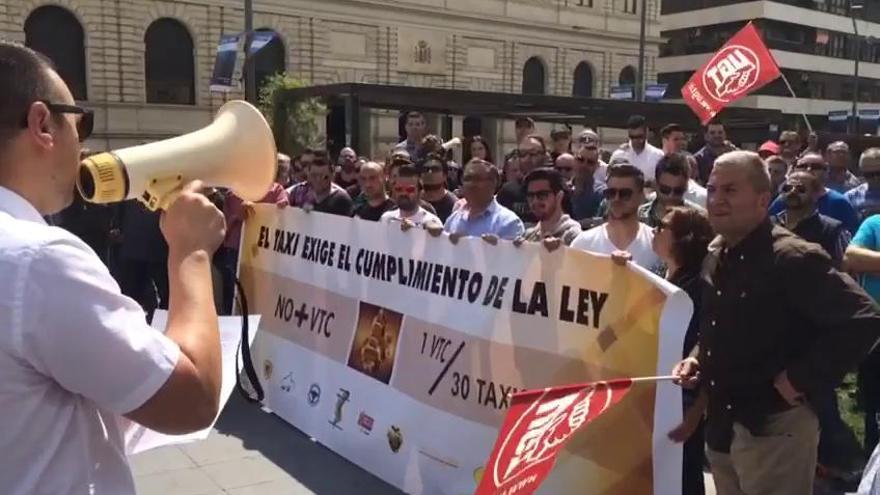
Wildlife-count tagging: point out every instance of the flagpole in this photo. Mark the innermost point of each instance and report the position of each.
(793, 95)
(667, 378)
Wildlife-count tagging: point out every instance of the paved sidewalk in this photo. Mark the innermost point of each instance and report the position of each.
(251, 452)
(248, 453)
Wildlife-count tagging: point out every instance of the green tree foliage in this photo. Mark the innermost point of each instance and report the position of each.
(302, 115)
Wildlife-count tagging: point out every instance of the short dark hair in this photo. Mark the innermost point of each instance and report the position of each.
(410, 171)
(557, 134)
(551, 175)
(711, 123)
(23, 80)
(322, 159)
(669, 129)
(524, 122)
(626, 170)
(636, 122)
(673, 164)
(434, 157)
(493, 170)
(414, 115)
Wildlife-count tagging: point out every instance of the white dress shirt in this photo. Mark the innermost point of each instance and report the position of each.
(419, 218)
(646, 161)
(696, 193)
(75, 355)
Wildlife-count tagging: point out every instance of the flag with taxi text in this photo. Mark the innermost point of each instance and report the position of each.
(536, 428)
(742, 65)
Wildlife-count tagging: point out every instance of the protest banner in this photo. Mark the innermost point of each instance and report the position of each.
(400, 351)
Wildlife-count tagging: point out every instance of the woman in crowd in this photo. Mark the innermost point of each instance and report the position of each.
(681, 240)
(480, 149)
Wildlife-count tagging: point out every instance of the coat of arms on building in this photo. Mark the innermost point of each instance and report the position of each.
(422, 52)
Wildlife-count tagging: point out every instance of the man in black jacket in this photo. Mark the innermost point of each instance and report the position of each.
(779, 326)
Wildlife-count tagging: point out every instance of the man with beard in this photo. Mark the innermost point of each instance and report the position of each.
(434, 179)
(532, 155)
(586, 188)
(637, 151)
(347, 172)
(544, 189)
(565, 164)
(830, 203)
(319, 193)
(481, 215)
(406, 193)
(416, 129)
(800, 192)
(671, 184)
(374, 200)
(623, 234)
(716, 145)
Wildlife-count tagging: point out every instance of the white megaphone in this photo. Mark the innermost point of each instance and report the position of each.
(236, 151)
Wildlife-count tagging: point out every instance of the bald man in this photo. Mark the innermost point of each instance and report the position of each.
(346, 171)
(374, 199)
(565, 165)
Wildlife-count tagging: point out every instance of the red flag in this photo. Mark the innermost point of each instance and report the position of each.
(741, 66)
(536, 428)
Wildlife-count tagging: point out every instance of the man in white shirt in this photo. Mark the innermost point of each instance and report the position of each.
(77, 358)
(623, 235)
(407, 193)
(638, 151)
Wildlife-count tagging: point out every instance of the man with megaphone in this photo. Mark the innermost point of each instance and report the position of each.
(76, 356)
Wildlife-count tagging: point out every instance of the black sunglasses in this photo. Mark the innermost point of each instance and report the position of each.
(872, 175)
(84, 126)
(637, 137)
(799, 189)
(671, 191)
(623, 194)
(564, 169)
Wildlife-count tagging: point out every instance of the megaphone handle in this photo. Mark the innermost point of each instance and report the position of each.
(161, 193)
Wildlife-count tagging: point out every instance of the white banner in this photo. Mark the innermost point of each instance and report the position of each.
(398, 350)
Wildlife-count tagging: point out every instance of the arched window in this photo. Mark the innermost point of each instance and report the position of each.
(168, 63)
(627, 76)
(583, 81)
(270, 59)
(57, 34)
(533, 77)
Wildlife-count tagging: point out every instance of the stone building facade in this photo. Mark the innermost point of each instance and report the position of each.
(558, 46)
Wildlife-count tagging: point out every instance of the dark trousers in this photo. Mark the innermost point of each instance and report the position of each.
(838, 447)
(694, 453)
(226, 260)
(144, 281)
(869, 394)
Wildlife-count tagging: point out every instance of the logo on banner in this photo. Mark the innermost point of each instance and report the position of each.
(341, 398)
(731, 73)
(287, 383)
(314, 394)
(365, 421)
(395, 438)
(267, 369)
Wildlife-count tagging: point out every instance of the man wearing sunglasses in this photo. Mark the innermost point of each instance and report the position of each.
(544, 188)
(866, 197)
(623, 235)
(320, 193)
(407, 193)
(638, 151)
(435, 176)
(672, 177)
(77, 358)
(830, 203)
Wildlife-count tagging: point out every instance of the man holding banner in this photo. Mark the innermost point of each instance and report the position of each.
(779, 326)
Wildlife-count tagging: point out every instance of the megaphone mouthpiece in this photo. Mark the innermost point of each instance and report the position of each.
(236, 151)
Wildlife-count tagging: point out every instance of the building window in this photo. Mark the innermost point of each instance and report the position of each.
(168, 63)
(583, 81)
(629, 6)
(270, 59)
(585, 3)
(627, 76)
(533, 77)
(57, 34)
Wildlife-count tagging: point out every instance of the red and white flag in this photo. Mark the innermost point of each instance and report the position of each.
(741, 66)
(536, 428)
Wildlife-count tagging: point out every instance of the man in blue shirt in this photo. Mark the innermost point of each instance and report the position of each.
(481, 215)
(866, 197)
(832, 203)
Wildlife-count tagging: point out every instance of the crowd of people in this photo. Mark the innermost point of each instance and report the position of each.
(769, 246)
